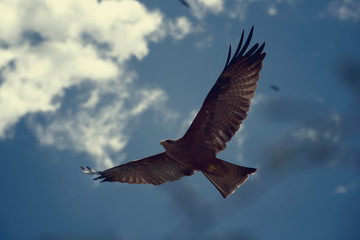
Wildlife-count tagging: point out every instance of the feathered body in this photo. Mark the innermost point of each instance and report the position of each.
(224, 109)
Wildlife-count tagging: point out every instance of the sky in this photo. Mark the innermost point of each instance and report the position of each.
(100, 83)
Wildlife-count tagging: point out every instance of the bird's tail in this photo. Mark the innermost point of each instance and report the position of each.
(229, 182)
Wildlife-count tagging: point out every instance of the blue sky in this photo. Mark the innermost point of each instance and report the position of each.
(100, 83)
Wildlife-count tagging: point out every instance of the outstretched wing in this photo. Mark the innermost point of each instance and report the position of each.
(156, 169)
(228, 102)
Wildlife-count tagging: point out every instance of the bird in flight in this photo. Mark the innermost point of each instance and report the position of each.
(275, 88)
(185, 3)
(224, 109)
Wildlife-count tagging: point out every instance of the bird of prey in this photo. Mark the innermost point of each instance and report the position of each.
(275, 88)
(185, 3)
(224, 109)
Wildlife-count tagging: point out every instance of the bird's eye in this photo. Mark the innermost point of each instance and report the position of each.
(169, 141)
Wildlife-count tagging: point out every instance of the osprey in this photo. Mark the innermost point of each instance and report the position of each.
(224, 109)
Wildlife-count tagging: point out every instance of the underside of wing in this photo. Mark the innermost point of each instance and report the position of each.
(156, 169)
(228, 102)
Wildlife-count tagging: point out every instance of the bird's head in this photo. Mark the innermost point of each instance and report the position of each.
(167, 143)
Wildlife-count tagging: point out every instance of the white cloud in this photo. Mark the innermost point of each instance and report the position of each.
(341, 189)
(272, 11)
(187, 122)
(237, 9)
(336, 118)
(180, 28)
(240, 8)
(316, 135)
(258, 99)
(43, 72)
(202, 7)
(241, 136)
(344, 10)
(48, 47)
(213, 5)
(305, 134)
(100, 131)
(206, 42)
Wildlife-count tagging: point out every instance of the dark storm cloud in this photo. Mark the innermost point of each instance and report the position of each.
(280, 109)
(200, 217)
(197, 213)
(320, 135)
(317, 136)
(348, 72)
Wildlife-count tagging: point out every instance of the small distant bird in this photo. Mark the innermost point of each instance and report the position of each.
(185, 3)
(224, 109)
(275, 88)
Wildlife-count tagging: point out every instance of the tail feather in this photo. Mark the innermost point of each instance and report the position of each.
(228, 183)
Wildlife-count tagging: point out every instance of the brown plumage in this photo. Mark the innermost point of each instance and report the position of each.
(220, 116)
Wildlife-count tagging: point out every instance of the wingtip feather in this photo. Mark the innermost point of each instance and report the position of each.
(241, 50)
(88, 170)
(228, 57)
